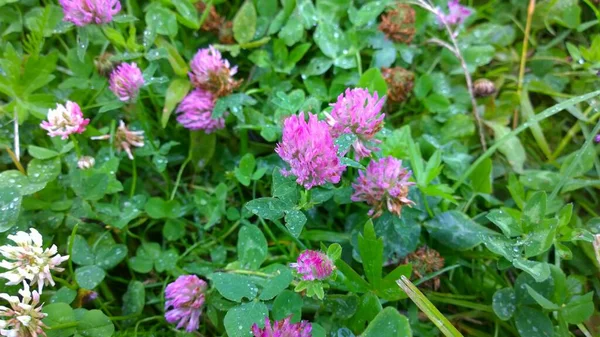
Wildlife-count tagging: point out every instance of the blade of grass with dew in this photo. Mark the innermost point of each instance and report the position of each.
(575, 162)
(428, 308)
(551, 111)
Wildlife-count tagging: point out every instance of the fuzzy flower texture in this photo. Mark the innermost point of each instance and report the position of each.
(195, 112)
(309, 150)
(457, 14)
(24, 317)
(125, 139)
(28, 260)
(65, 120)
(313, 265)
(84, 12)
(283, 328)
(126, 81)
(184, 301)
(209, 71)
(357, 112)
(384, 183)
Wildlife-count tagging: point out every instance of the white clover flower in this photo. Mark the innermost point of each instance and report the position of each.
(29, 261)
(24, 317)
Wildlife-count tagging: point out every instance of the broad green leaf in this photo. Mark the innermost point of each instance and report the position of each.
(94, 323)
(239, 320)
(188, 15)
(373, 80)
(578, 309)
(58, 314)
(330, 39)
(243, 172)
(179, 66)
(367, 13)
(367, 310)
(43, 171)
(390, 321)
(82, 253)
(251, 247)
(89, 277)
(162, 20)
(371, 253)
(294, 221)
(244, 23)
(63, 295)
(501, 218)
(134, 298)
(352, 279)
(10, 206)
(481, 178)
(534, 211)
(41, 153)
(541, 300)
(267, 208)
(158, 208)
(532, 322)
(538, 270)
(286, 304)
(234, 287)
(456, 230)
(108, 256)
(504, 303)
(292, 31)
(276, 284)
(176, 91)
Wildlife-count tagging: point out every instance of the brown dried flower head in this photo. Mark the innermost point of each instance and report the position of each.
(484, 87)
(425, 261)
(400, 83)
(103, 64)
(398, 24)
(216, 24)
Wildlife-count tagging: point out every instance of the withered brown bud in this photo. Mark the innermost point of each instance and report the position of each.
(103, 64)
(226, 33)
(213, 21)
(425, 261)
(483, 87)
(398, 24)
(399, 81)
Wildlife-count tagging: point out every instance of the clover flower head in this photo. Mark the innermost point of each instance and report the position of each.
(383, 183)
(126, 81)
(457, 14)
(309, 150)
(65, 120)
(313, 265)
(184, 301)
(24, 317)
(28, 260)
(84, 12)
(283, 328)
(195, 112)
(358, 112)
(125, 139)
(86, 162)
(209, 71)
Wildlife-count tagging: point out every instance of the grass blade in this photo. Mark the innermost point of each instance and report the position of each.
(428, 308)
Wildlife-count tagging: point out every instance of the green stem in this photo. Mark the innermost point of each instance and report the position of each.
(285, 230)
(76, 145)
(70, 248)
(122, 318)
(272, 236)
(64, 283)
(359, 62)
(179, 174)
(134, 179)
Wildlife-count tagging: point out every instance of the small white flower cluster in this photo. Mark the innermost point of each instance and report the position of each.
(27, 263)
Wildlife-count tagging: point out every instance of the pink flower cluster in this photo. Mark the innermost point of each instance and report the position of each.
(313, 265)
(457, 14)
(213, 73)
(384, 183)
(195, 112)
(357, 112)
(309, 150)
(65, 120)
(126, 81)
(84, 12)
(283, 328)
(184, 301)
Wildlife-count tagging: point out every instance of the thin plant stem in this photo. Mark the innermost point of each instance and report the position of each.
(76, 145)
(17, 143)
(530, 11)
(179, 174)
(134, 178)
(453, 47)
